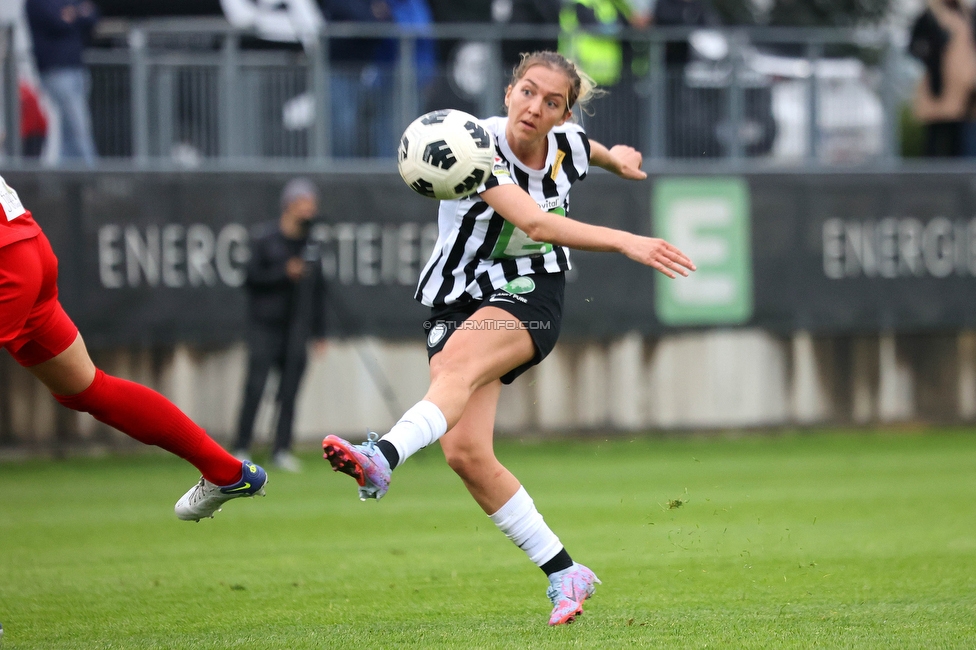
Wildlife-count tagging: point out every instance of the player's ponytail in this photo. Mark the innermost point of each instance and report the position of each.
(587, 90)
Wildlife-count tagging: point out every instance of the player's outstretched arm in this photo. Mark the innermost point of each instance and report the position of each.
(620, 159)
(517, 207)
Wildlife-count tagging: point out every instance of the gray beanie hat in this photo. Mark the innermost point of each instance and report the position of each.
(298, 188)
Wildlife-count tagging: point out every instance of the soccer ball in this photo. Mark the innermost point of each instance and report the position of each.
(445, 154)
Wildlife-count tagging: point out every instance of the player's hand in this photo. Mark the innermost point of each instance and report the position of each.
(319, 347)
(295, 269)
(660, 255)
(628, 162)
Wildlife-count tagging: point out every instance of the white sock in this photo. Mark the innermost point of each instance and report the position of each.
(523, 524)
(421, 425)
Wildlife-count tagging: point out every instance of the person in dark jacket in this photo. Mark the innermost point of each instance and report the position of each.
(60, 30)
(286, 297)
(689, 110)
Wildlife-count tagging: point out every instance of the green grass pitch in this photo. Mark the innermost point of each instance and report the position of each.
(857, 540)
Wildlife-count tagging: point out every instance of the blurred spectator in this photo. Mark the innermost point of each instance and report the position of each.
(525, 12)
(591, 37)
(33, 121)
(286, 21)
(463, 62)
(945, 98)
(286, 294)
(355, 74)
(406, 13)
(680, 13)
(469, 11)
(417, 14)
(33, 117)
(690, 112)
(601, 54)
(60, 30)
(362, 84)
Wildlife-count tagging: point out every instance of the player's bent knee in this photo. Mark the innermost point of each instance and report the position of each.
(446, 362)
(456, 459)
(468, 464)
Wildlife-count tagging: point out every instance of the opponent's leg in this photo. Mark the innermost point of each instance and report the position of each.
(469, 451)
(135, 410)
(150, 418)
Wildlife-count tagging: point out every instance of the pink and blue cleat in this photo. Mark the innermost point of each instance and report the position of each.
(365, 463)
(567, 591)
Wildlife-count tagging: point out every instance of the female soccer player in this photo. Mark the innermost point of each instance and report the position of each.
(498, 266)
(38, 333)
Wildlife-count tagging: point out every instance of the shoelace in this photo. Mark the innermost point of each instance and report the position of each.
(199, 493)
(557, 593)
(371, 439)
(553, 594)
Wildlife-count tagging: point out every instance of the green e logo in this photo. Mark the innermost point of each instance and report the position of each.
(708, 219)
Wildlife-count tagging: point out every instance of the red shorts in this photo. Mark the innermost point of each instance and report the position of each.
(33, 325)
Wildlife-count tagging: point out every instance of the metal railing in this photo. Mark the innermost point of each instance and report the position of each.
(194, 93)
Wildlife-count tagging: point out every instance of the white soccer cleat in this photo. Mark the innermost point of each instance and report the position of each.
(205, 499)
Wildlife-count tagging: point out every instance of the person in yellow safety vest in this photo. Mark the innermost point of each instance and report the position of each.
(600, 56)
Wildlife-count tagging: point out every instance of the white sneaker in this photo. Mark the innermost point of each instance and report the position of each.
(205, 499)
(286, 462)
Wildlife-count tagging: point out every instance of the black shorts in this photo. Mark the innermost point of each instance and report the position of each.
(535, 300)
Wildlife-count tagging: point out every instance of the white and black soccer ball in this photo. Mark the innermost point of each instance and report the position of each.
(445, 154)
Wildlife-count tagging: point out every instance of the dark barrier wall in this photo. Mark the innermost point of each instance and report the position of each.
(151, 258)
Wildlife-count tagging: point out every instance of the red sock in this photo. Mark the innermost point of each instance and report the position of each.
(152, 419)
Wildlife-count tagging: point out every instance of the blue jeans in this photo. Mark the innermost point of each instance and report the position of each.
(68, 89)
(346, 103)
(362, 112)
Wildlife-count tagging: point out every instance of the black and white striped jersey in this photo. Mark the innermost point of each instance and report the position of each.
(477, 250)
